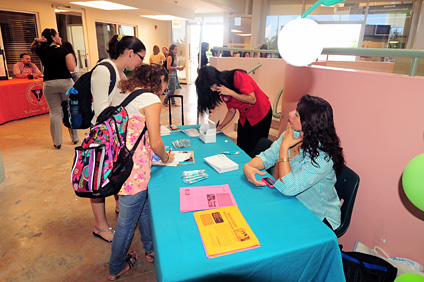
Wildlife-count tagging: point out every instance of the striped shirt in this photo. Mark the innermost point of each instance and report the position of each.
(311, 184)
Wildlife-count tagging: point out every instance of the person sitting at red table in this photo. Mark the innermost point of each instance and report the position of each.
(23, 68)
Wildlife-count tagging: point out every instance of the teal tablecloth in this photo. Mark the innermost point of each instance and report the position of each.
(295, 244)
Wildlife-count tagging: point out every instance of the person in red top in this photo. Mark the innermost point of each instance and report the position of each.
(239, 92)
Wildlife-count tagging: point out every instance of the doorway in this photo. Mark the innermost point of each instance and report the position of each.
(203, 29)
(70, 28)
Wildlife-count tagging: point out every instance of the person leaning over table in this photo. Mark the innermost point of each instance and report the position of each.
(239, 92)
(307, 157)
(24, 68)
(143, 111)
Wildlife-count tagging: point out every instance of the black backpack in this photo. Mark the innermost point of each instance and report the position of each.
(359, 267)
(77, 112)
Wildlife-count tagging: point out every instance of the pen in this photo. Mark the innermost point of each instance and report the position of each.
(218, 123)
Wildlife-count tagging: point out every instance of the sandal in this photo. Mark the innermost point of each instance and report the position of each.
(130, 260)
(150, 256)
(165, 104)
(105, 230)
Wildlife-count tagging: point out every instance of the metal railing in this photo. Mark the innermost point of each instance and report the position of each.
(414, 54)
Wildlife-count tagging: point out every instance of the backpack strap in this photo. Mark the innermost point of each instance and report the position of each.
(112, 75)
(125, 103)
(139, 139)
(132, 96)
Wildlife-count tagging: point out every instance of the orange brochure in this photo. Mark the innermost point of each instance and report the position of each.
(224, 231)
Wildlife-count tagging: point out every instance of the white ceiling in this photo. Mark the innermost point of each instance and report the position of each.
(179, 8)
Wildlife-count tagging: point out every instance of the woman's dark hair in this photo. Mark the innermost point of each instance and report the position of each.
(205, 47)
(226, 53)
(145, 76)
(68, 46)
(208, 76)
(47, 33)
(118, 44)
(171, 48)
(319, 133)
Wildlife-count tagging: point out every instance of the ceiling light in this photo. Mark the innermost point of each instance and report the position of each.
(245, 34)
(104, 5)
(163, 17)
(236, 30)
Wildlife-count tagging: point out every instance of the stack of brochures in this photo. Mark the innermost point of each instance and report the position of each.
(205, 197)
(164, 131)
(224, 231)
(221, 163)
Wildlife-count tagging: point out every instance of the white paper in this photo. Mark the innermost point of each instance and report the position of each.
(221, 163)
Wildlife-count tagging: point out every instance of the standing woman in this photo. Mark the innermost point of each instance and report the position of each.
(143, 111)
(202, 57)
(58, 65)
(68, 46)
(157, 57)
(124, 52)
(239, 92)
(172, 66)
(307, 158)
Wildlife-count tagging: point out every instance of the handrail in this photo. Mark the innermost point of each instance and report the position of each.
(254, 68)
(414, 54)
(274, 107)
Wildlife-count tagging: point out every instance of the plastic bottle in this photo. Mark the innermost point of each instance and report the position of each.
(76, 117)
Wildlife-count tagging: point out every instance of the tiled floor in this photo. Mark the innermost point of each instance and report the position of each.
(46, 232)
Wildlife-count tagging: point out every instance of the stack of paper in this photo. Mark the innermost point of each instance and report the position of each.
(192, 132)
(164, 130)
(224, 231)
(221, 163)
(205, 197)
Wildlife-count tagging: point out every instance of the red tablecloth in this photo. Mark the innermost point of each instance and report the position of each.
(21, 98)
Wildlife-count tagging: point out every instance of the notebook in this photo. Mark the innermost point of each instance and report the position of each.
(221, 163)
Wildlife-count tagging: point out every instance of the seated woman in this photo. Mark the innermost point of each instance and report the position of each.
(307, 157)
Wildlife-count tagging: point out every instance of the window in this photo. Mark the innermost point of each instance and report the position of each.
(105, 31)
(18, 31)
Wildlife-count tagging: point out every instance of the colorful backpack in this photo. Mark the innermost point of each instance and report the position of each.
(77, 111)
(103, 162)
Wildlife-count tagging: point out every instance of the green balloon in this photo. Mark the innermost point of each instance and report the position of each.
(413, 181)
(410, 277)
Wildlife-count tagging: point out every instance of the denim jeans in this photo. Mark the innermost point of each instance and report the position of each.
(172, 80)
(132, 209)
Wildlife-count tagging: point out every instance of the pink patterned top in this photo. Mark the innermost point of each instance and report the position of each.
(140, 174)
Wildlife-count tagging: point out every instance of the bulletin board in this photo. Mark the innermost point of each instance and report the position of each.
(3, 70)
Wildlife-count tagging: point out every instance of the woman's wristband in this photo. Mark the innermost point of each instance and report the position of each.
(284, 160)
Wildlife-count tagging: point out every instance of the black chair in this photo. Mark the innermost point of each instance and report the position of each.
(182, 108)
(346, 187)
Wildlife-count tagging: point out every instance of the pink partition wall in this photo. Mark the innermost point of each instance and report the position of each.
(380, 121)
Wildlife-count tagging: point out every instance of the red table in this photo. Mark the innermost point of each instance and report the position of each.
(21, 98)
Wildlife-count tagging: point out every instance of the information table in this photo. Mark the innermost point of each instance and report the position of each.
(294, 244)
(21, 98)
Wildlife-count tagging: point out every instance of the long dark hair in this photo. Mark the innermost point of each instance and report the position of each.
(319, 133)
(208, 76)
(68, 46)
(171, 48)
(47, 33)
(118, 44)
